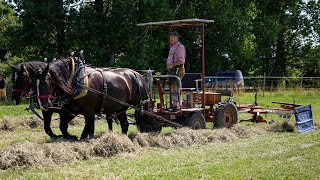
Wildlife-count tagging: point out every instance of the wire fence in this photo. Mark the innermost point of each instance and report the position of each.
(271, 83)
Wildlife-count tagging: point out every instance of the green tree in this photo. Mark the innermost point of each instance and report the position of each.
(8, 21)
(274, 28)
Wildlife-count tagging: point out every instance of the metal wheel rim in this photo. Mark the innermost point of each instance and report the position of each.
(228, 117)
(196, 124)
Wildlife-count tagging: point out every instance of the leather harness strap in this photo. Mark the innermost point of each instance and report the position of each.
(105, 90)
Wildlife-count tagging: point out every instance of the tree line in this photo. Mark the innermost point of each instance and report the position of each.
(276, 37)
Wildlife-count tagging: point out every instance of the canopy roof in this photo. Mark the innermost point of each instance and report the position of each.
(177, 23)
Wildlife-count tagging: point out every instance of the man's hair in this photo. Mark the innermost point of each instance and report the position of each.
(174, 33)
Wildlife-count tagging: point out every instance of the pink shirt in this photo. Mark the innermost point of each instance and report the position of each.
(177, 52)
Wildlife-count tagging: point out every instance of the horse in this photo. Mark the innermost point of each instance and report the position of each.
(22, 76)
(124, 85)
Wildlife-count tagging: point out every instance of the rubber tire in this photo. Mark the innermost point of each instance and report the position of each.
(146, 124)
(195, 120)
(222, 116)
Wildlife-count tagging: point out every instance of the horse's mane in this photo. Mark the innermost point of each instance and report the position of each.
(60, 73)
(32, 66)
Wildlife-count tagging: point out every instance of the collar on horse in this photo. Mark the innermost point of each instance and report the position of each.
(78, 76)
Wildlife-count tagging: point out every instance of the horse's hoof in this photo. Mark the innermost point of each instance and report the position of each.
(54, 137)
(86, 137)
(72, 137)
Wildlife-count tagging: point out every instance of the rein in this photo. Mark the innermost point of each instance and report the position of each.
(132, 106)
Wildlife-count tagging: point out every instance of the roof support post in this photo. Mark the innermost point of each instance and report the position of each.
(203, 71)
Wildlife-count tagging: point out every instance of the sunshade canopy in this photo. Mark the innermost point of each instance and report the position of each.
(177, 23)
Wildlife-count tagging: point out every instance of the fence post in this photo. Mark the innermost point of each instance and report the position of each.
(301, 83)
(264, 84)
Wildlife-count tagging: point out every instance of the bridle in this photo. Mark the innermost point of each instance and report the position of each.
(23, 91)
(27, 86)
(50, 96)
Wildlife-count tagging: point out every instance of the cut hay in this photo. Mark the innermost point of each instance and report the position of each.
(112, 144)
(60, 151)
(186, 137)
(281, 127)
(13, 123)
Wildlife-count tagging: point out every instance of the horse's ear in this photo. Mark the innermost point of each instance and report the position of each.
(24, 70)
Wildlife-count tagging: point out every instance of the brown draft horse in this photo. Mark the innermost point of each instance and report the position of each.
(123, 84)
(22, 76)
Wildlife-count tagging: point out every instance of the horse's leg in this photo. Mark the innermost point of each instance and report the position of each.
(110, 121)
(123, 122)
(47, 115)
(88, 130)
(65, 118)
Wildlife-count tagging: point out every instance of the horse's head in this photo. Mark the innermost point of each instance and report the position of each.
(44, 87)
(20, 82)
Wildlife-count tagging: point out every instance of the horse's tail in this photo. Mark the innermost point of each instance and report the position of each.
(145, 123)
(143, 90)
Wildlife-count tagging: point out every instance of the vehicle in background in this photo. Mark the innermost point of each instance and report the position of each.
(225, 79)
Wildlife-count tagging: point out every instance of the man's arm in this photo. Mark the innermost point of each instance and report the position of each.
(180, 57)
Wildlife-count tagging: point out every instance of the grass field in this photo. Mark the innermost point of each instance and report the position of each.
(264, 155)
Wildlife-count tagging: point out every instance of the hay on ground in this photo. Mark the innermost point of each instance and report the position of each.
(111, 144)
(13, 123)
(281, 127)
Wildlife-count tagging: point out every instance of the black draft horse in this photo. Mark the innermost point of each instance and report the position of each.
(22, 76)
(123, 84)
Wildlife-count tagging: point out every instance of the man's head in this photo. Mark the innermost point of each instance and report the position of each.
(174, 37)
(1, 76)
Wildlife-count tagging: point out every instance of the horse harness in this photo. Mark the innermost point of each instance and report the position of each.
(80, 86)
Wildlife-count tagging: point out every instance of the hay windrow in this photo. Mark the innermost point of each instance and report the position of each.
(39, 154)
(186, 137)
(112, 144)
(13, 123)
(281, 127)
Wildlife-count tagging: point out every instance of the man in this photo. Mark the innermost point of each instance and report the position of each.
(3, 84)
(175, 66)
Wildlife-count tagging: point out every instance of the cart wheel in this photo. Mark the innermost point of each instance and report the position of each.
(195, 121)
(147, 124)
(225, 116)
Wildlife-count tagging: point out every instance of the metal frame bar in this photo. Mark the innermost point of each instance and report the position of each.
(187, 23)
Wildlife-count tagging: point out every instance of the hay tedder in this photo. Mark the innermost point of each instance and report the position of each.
(285, 111)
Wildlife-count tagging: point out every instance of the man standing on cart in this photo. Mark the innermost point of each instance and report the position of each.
(175, 66)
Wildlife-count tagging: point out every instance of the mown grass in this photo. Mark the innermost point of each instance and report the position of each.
(8, 109)
(269, 156)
